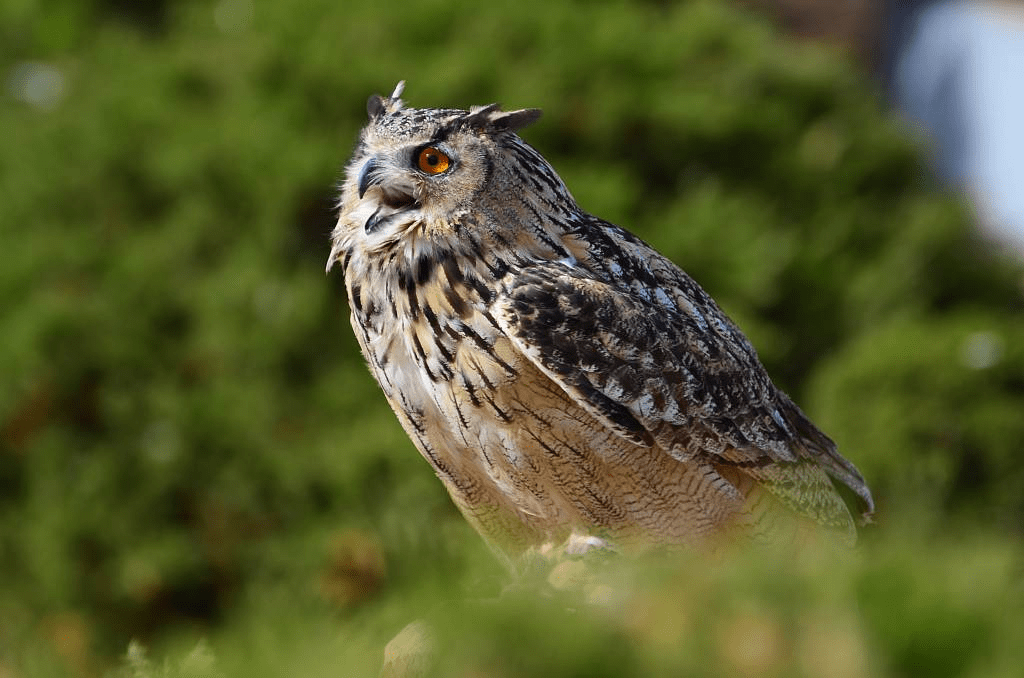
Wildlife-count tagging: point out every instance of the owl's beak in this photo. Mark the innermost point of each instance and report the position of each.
(369, 176)
(395, 192)
(396, 195)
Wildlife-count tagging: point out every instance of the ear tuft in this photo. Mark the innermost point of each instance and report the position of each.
(491, 118)
(377, 106)
(515, 120)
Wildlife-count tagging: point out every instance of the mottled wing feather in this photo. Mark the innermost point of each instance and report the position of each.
(659, 376)
(656, 375)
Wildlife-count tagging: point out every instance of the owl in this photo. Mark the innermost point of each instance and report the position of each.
(565, 381)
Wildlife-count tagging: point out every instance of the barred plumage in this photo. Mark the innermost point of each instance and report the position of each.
(560, 376)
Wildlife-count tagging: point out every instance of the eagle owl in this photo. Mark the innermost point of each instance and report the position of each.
(562, 378)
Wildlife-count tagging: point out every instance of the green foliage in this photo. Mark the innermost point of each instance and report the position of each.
(191, 446)
(940, 399)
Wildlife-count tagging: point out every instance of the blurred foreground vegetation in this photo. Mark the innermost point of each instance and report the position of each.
(191, 448)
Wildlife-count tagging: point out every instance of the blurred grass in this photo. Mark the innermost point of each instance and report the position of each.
(191, 447)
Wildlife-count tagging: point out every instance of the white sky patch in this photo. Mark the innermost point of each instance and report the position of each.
(981, 350)
(37, 84)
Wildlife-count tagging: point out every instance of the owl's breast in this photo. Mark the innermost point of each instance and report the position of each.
(521, 458)
(448, 380)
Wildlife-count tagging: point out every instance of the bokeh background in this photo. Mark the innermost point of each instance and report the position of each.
(193, 455)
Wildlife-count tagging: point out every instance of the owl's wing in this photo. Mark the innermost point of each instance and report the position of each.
(686, 380)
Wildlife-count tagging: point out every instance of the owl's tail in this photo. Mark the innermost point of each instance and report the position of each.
(817, 446)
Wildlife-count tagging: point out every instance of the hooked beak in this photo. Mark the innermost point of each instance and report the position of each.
(396, 196)
(369, 176)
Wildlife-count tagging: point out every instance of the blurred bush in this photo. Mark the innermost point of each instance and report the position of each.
(191, 446)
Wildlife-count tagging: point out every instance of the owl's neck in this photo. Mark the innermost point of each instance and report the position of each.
(417, 295)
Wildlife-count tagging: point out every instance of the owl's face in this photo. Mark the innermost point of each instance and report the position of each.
(421, 167)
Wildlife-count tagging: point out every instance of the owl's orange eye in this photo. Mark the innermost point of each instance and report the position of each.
(433, 160)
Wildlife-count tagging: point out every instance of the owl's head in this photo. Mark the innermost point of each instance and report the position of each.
(415, 166)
